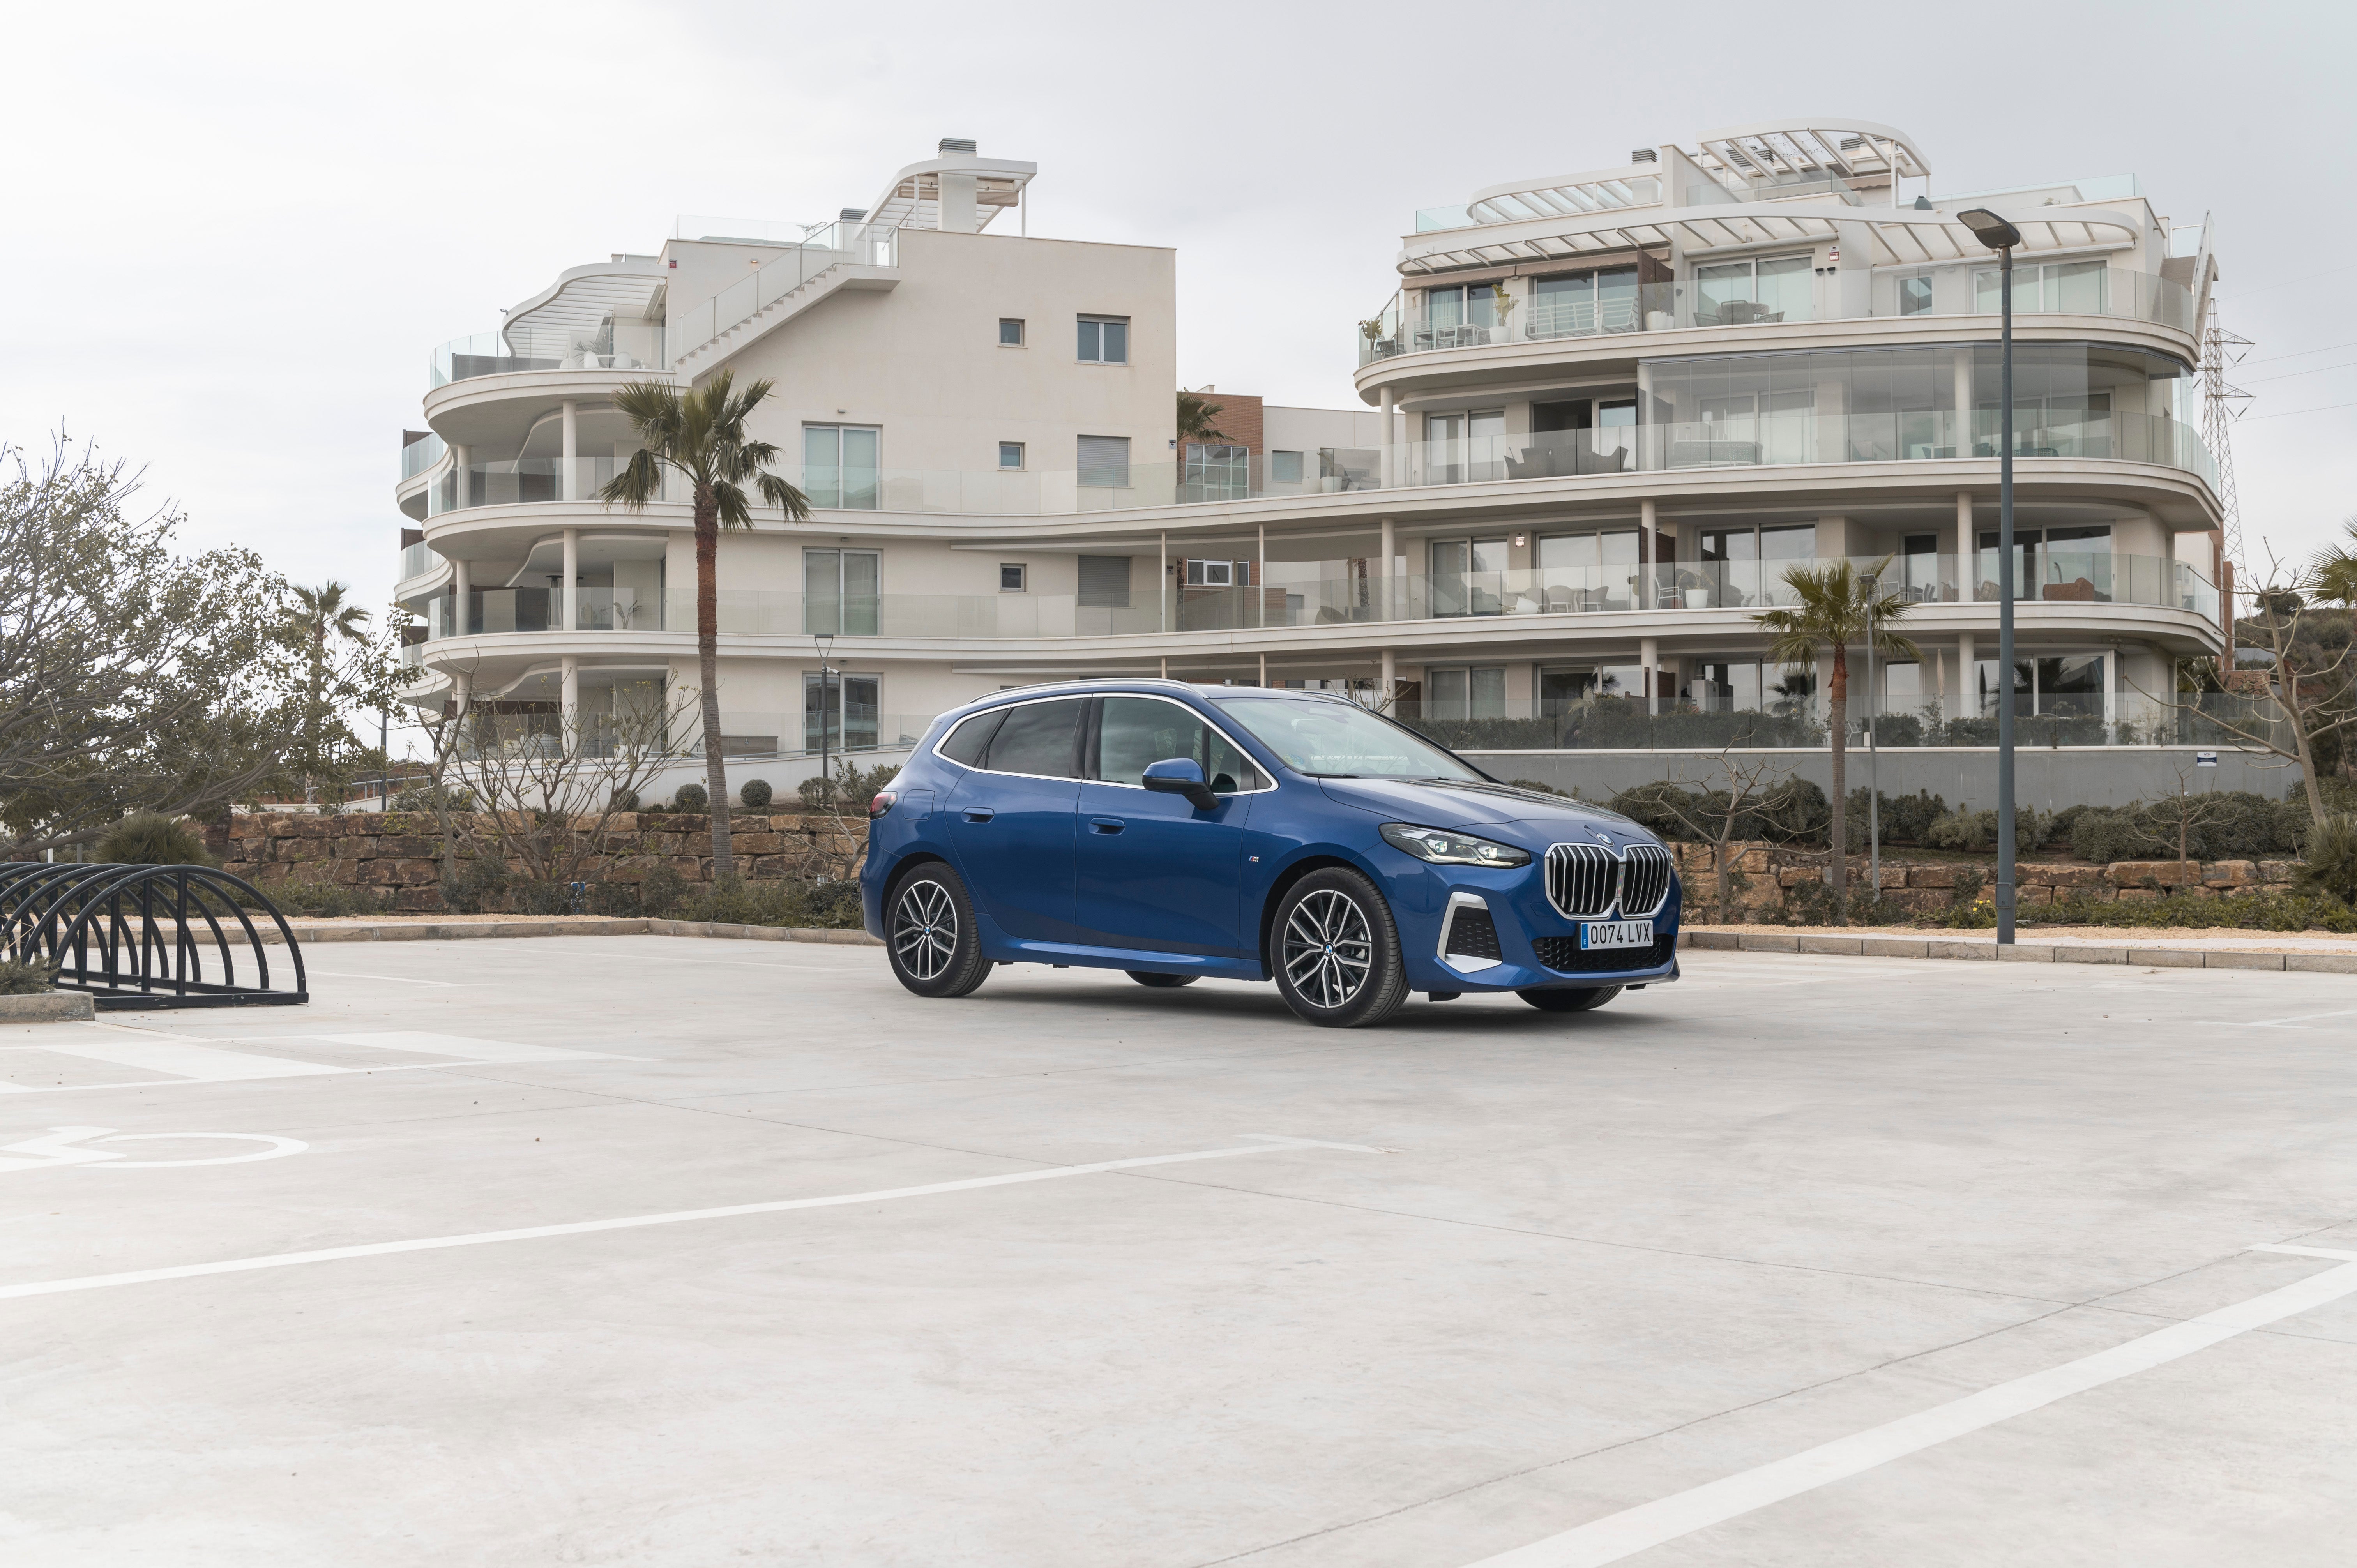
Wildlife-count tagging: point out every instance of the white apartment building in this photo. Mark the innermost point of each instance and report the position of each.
(1603, 415)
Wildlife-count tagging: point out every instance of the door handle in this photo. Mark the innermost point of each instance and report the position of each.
(1106, 824)
(979, 813)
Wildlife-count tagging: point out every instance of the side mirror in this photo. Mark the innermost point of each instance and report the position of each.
(1181, 776)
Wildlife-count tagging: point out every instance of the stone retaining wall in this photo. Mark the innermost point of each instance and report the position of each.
(1768, 877)
(397, 851)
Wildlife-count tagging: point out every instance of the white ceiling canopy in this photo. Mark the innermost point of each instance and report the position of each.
(1599, 190)
(914, 199)
(1787, 152)
(570, 312)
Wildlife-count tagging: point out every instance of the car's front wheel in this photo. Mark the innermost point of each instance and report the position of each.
(1569, 999)
(929, 930)
(1337, 951)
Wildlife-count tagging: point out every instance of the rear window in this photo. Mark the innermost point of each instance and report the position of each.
(967, 742)
(1037, 737)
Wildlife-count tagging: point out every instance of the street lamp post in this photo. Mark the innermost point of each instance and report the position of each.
(826, 641)
(1873, 756)
(2001, 237)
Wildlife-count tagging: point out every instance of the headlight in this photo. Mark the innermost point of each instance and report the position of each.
(1445, 848)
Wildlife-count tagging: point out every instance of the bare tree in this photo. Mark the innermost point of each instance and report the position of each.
(547, 789)
(1755, 787)
(2184, 811)
(2301, 695)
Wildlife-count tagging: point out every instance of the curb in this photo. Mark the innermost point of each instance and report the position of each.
(616, 925)
(48, 1004)
(1989, 952)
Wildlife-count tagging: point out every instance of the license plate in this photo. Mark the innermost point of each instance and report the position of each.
(1599, 935)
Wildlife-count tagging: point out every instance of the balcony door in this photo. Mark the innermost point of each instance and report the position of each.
(840, 713)
(839, 466)
(1461, 448)
(1756, 289)
(1468, 576)
(839, 591)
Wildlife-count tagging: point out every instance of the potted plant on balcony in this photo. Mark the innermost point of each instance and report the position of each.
(1504, 305)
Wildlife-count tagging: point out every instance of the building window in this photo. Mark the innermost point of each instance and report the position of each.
(1589, 573)
(1468, 576)
(1010, 454)
(839, 596)
(1462, 447)
(1759, 288)
(1284, 467)
(1578, 304)
(1014, 577)
(1011, 332)
(1479, 693)
(1104, 339)
(839, 466)
(1104, 462)
(840, 711)
(1214, 473)
(1217, 573)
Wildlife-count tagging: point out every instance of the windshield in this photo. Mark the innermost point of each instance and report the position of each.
(1340, 740)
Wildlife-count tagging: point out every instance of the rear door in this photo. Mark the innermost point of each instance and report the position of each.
(1154, 874)
(1010, 820)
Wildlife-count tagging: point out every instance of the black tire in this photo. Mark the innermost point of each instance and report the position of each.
(929, 933)
(1161, 981)
(1335, 950)
(1569, 999)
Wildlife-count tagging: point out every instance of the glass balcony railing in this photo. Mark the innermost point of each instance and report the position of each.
(421, 454)
(1603, 720)
(1402, 327)
(1792, 437)
(417, 560)
(491, 612)
(490, 354)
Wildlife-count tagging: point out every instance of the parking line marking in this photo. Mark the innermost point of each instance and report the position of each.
(635, 1221)
(395, 979)
(1631, 1531)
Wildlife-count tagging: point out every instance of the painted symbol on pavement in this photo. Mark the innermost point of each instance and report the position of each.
(70, 1146)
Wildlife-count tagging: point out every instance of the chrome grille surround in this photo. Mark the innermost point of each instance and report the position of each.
(1644, 879)
(1582, 879)
(1588, 881)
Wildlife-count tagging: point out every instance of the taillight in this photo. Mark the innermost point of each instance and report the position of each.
(883, 802)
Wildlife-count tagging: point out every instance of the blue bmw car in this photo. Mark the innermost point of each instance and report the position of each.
(1173, 832)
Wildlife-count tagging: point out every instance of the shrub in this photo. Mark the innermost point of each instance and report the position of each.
(1978, 830)
(626, 800)
(851, 785)
(427, 797)
(2332, 865)
(1906, 818)
(690, 797)
(150, 838)
(756, 793)
(478, 883)
(328, 900)
(23, 977)
(2235, 825)
(2264, 911)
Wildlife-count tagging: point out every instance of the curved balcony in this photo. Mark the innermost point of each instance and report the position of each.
(490, 354)
(1926, 297)
(1335, 594)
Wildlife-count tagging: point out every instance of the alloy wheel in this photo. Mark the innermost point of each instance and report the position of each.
(925, 930)
(1329, 949)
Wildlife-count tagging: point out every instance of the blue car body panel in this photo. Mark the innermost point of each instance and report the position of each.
(1096, 873)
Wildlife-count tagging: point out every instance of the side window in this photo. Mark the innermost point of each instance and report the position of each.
(970, 739)
(1137, 731)
(1037, 738)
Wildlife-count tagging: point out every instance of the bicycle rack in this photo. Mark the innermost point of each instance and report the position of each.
(135, 936)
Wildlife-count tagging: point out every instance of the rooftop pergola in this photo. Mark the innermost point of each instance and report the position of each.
(545, 326)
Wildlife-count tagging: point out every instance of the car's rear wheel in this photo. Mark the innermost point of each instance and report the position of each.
(1570, 999)
(1161, 981)
(929, 930)
(1337, 951)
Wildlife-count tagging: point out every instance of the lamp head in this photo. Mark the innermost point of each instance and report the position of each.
(1989, 229)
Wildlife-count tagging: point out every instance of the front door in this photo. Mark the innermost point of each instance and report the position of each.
(1155, 873)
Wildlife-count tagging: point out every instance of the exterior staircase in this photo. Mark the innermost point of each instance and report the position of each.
(842, 277)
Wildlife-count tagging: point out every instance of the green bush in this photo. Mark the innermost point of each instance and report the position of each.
(1978, 830)
(23, 977)
(328, 900)
(1906, 818)
(2331, 867)
(149, 838)
(2236, 825)
(478, 885)
(1794, 812)
(852, 785)
(690, 797)
(756, 793)
(828, 904)
(626, 800)
(2264, 911)
(426, 797)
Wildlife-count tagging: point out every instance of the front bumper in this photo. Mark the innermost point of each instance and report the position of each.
(1535, 946)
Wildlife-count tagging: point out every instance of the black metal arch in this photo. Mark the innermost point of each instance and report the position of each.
(136, 936)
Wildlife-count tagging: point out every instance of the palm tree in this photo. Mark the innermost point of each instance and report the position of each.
(317, 614)
(2333, 573)
(701, 435)
(1196, 414)
(1836, 608)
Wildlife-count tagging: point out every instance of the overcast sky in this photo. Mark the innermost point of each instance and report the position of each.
(239, 230)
